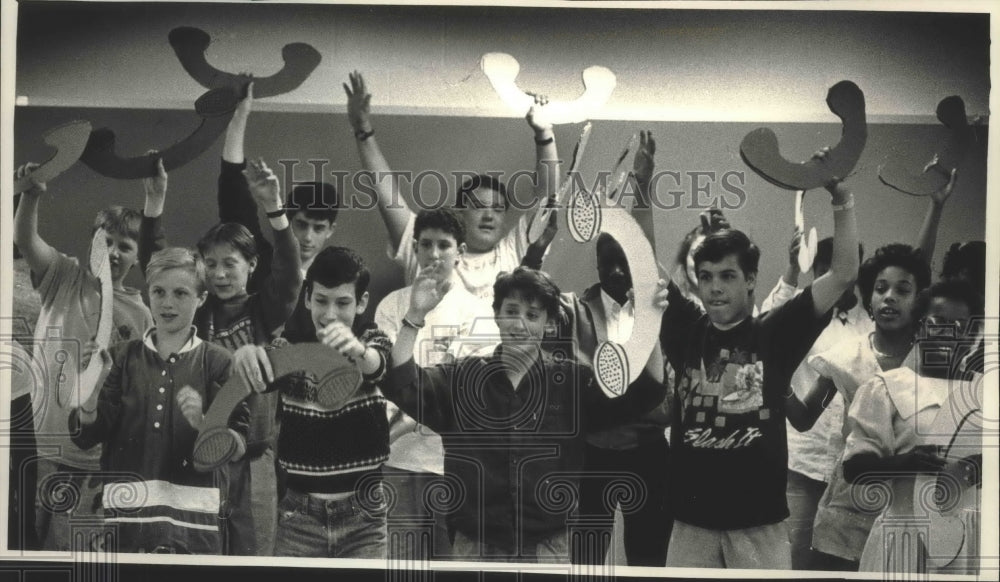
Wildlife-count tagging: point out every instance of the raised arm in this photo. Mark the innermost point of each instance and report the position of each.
(38, 254)
(785, 288)
(642, 172)
(280, 288)
(151, 235)
(802, 413)
(827, 289)
(929, 229)
(395, 213)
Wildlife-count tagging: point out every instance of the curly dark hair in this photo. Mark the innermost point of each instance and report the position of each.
(899, 255)
(530, 284)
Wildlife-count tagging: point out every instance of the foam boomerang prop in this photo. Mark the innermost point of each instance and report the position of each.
(100, 266)
(546, 208)
(325, 376)
(618, 365)
(941, 498)
(807, 244)
(216, 108)
(191, 43)
(760, 150)
(598, 82)
(69, 140)
(896, 174)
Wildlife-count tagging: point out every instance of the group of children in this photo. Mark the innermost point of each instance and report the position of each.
(479, 431)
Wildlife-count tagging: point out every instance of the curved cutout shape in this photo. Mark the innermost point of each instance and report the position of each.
(100, 266)
(69, 140)
(191, 43)
(216, 108)
(333, 377)
(502, 69)
(896, 174)
(618, 365)
(760, 150)
(958, 431)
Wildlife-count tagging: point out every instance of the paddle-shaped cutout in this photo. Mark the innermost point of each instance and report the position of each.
(321, 375)
(760, 150)
(935, 173)
(546, 208)
(502, 69)
(69, 141)
(618, 365)
(216, 108)
(191, 43)
(100, 266)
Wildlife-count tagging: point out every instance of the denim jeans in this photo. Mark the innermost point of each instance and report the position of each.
(551, 550)
(310, 527)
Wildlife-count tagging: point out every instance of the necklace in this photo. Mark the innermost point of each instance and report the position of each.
(883, 355)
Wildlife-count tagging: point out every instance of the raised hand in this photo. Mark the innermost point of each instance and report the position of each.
(941, 196)
(248, 362)
(264, 185)
(156, 186)
(643, 165)
(26, 170)
(660, 297)
(245, 105)
(339, 336)
(192, 406)
(358, 103)
(537, 117)
(429, 287)
(88, 395)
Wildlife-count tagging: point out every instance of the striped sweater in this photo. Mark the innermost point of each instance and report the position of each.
(331, 451)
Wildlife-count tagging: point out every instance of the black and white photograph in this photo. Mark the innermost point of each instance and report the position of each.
(575, 290)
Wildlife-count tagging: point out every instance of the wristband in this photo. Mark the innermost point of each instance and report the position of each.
(845, 206)
(542, 142)
(277, 213)
(362, 135)
(408, 323)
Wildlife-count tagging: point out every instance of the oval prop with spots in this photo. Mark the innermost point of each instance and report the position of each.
(618, 365)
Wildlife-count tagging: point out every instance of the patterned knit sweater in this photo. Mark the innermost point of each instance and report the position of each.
(333, 450)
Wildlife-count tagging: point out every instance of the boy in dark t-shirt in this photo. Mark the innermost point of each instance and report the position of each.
(734, 371)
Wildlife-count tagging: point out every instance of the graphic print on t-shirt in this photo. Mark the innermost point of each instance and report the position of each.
(723, 401)
(239, 333)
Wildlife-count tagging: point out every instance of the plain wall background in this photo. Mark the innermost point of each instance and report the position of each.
(448, 145)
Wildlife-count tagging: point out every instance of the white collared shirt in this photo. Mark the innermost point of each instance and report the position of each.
(619, 318)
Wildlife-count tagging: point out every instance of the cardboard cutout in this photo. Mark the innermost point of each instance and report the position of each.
(502, 70)
(545, 209)
(618, 365)
(935, 174)
(620, 174)
(69, 140)
(100, 266)
(760, 150)
(321, 372)
(216, 108)
(191, 43)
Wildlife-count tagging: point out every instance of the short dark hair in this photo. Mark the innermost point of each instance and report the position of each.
(318, 200)
(531, 285)
(334, 266)
(953, 289)
(720, 244)
(899, 255)
(231, 233)
(970, 258)
(480, 181)
(118, 220)
(824, 251)
(443, 219)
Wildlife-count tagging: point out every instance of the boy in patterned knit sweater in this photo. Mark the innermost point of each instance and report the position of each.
(333, 506)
